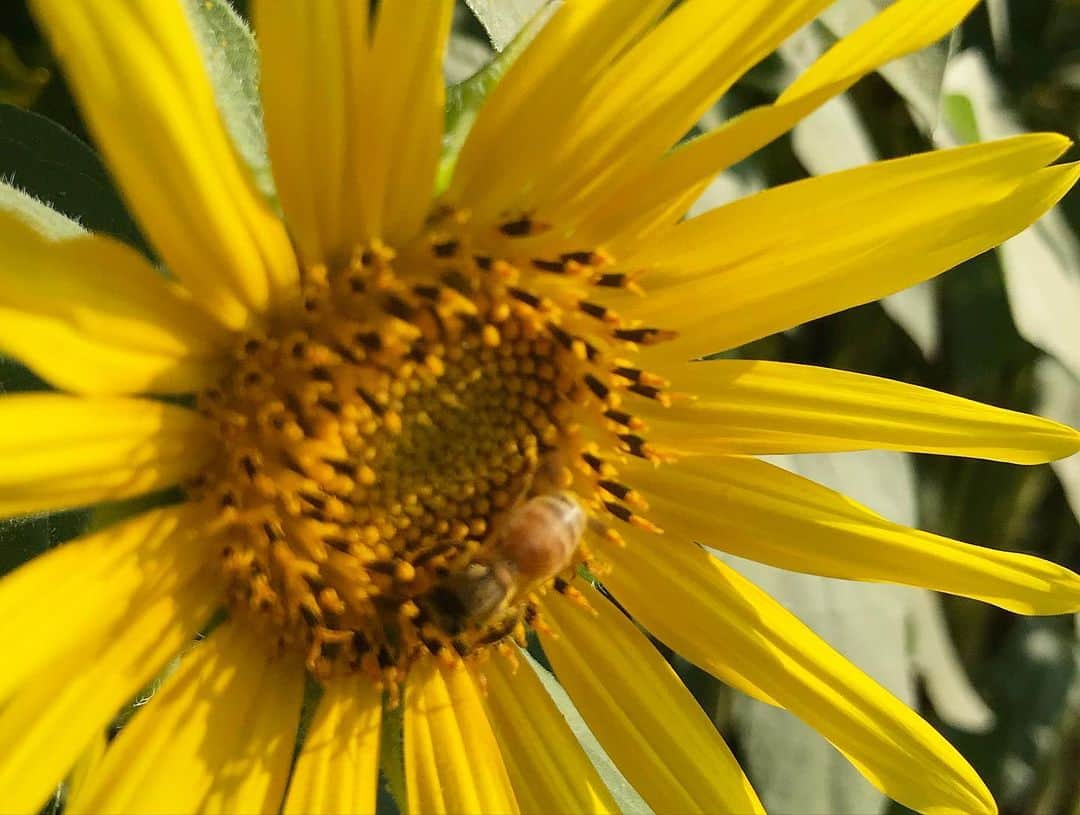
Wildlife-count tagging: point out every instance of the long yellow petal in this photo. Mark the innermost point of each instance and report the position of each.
(255, 774)
(313, 58)
(646, 719)
(661, 192)
(719, 620)
(758, 408)
(759, 511)
(354, 145)
(538, 95)
(803, 250)
(452, 761)
(137, 72)
(58, 452)
(218, 737)
(63, 608)
(338, 768)
(75, 592)
(47, 724)
(88, 314)
(658, 90)
(403, 148)
(549, 770)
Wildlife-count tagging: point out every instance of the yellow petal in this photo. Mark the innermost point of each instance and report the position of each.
(46, 725)
(402, 151)
(549, 770)
(452, 761)
(803, 250)
(646, 719)
(657, 91)
(661, 192)
(137, 73)
(354, 145)
(75, 592)
(751, 407)
(537, 95)
(218, 737)
(762, 512)
(253, 776)
(719, 620)
(58, 452)
(88, 314)
(338, 768)
(314, 56)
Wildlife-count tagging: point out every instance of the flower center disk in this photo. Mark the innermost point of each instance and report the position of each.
(373, 445)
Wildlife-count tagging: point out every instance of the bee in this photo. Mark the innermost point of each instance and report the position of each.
(536, 542)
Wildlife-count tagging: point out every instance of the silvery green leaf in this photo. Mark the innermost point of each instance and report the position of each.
(1059, 399)
(793, 769)
(946, 682)
(833, 137)
(232, 61)
(915, 310)
(626, 797)
(916, 77)
(465, 56)
(503, 19)
(1042, 264)
(42, 218)
(729, 186)
(1000, 27)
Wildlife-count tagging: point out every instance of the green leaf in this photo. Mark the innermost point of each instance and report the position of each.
(464, 100)
(231, 56)
(946, 682)
(25, 538)
(22, 539)
(19, 84)
(998, 11)
(392, 758)
(42, 218)
(1041, 265)
(504, 19)
(916, 311)
(14, 378)
(960, 116)
(465, 57)
(625, 796)
(53, 166)
(1028, 680)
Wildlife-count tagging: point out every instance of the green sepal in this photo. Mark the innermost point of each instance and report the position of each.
(231, 57)
(392, 755)
(464, 99)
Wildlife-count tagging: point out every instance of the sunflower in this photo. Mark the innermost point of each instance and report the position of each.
(369, 389)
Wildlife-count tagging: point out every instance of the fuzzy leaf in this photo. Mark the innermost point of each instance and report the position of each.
(503, 19)
(231, 56)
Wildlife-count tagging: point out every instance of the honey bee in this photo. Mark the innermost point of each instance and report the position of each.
(536, 542)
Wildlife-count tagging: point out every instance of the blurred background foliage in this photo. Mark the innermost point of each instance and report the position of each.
(1003, 328)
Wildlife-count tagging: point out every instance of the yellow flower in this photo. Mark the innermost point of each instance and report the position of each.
(384, 377)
